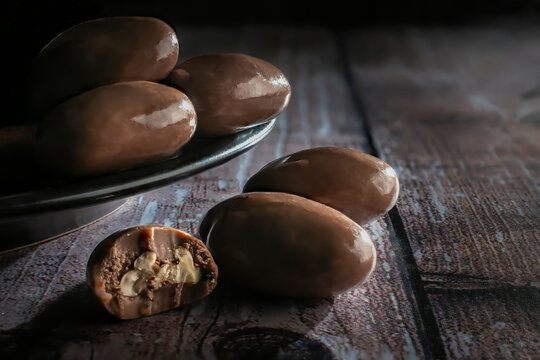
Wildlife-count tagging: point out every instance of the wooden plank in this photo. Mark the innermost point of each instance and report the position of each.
(450, 108)
(504, 324)
(456, 111)
(49, 303)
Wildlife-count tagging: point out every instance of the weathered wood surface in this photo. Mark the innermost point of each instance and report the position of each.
(457, 112)
(47, 311)
(454, 110)
(489, 324)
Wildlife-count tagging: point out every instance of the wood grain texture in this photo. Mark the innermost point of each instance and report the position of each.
(49, 305)
(489, 324)
(457, 112)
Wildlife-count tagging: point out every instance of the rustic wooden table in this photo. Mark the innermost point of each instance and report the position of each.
(455, 110)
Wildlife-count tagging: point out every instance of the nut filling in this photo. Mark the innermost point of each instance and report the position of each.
(147, 273)
(144, 270)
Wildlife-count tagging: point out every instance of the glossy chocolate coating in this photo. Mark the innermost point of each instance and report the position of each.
(359, 185)
(115, 127)
(101, 52)
(287, 245)
(232, 92)
(113, 257)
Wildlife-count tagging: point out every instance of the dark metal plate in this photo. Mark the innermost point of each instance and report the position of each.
(92, 197)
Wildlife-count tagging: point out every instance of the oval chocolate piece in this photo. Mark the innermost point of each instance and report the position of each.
(359, 185)
(232, 92)
(287, 245)
(148, 269)
(115, 127)
(101, 52)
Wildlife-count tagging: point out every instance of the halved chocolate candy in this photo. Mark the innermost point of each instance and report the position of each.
(148, 269)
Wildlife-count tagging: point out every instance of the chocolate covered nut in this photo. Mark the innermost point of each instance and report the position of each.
(287, 245)
(359, 185)
(115, 127)
(148, 269)
(101, 52)
(231, 92)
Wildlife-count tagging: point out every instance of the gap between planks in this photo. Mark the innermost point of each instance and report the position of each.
(416, 293)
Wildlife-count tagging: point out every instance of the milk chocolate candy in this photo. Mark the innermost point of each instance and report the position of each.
(148, 269)
(101, 52)
(359, 185)
(287, 245)
(232, 92)
(115, 127)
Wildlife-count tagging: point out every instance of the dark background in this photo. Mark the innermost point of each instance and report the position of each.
(28, 25)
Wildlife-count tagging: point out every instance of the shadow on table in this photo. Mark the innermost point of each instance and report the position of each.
(62, 320)
(255, 325)
(76, 318)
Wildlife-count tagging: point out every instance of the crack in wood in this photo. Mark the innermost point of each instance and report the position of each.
(208, 329)
(428, 329)
(531, 93)
(181, 330)
(91, 351)
(437, 282)
(416, 293)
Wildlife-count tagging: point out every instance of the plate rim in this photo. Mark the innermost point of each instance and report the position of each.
(25, 203)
